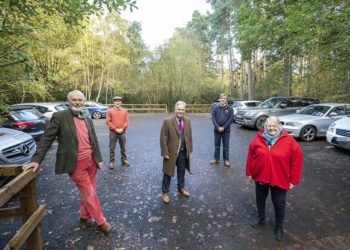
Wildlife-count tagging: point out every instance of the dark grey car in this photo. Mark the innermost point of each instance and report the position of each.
(274, 106)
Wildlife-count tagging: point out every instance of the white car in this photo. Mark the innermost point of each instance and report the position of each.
(46, 108)
(243, 104)
(338, 133)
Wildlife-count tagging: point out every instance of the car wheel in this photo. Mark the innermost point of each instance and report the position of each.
(259, 124)
(308, 133)
(96, 115)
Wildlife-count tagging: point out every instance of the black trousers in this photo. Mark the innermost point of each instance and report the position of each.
(278, 197)
(181, 169)
(113, 138)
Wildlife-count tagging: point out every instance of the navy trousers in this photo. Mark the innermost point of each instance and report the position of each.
(225, 138)
(181, 169)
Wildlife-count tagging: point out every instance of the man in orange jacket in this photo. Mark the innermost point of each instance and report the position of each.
(117, 120)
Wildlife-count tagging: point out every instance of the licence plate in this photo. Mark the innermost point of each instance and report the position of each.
(238, 116)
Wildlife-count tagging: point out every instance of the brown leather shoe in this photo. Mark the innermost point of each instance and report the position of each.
(166, 198)
(184, 192)
(89, 222)
(214, 162)
(227, 164)
(105, 227)
(111, 165)
(125, 164)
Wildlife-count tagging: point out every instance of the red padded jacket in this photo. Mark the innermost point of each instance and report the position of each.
(279, 165)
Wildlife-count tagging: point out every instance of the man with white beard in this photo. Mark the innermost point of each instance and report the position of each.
(78, 155)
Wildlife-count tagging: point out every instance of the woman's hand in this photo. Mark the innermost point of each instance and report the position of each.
(250, 178)
(291, 185)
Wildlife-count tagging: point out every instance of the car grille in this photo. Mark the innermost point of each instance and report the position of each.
(19, 151)
(342, 132)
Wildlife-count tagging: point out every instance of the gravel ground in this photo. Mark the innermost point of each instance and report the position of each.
(217, 214)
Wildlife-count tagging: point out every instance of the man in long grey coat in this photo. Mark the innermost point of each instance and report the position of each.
(176, 147)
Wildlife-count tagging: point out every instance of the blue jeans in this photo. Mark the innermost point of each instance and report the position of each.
(278, 197)
(181, 169)
(225, 137)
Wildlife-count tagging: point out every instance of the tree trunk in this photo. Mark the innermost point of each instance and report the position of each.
(286, 83)
(242, 79)
(250, 80)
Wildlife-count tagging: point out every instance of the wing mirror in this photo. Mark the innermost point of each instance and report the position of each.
(283, 105)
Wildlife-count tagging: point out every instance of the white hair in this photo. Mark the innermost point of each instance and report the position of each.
(180, 103)
(75, 92)
(275, 120)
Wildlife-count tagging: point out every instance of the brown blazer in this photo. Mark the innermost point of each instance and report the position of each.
(170, 143)
(62, 126)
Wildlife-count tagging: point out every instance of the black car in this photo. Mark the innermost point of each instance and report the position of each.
(28, 120)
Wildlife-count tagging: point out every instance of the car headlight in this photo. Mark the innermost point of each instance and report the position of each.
(331, 128)
(293, 124)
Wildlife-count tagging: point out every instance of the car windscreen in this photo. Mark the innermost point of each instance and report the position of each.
(314, 110)
(270, 103)
(24, 115)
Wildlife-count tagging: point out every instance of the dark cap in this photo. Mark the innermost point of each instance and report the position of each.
(116, 98)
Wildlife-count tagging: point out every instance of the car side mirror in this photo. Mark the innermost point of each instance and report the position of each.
(298, 111)
(333, 114)
(283, 105)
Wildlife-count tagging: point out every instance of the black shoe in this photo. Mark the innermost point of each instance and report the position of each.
(257, 222)
(279, 235)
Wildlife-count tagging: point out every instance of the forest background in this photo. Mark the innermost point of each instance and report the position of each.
(248, 49)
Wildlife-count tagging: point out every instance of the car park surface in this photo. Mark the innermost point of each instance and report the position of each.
(274, 106)
(338, 133)
(314, 120)
(219, 210)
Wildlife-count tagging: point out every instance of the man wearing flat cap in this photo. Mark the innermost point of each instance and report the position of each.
(117, 121)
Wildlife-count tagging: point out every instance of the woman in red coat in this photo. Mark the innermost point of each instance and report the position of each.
(274, 162)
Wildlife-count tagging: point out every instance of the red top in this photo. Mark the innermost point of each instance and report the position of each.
(279, 165)
(117, 118)
(84, 145)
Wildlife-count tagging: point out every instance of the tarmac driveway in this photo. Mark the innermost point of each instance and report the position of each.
(217, 214)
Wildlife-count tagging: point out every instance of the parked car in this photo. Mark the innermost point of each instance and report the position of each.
(243, 104)
(27, 120)
(314, 120)
(97, 110)
(277, 106)
(338, 133)
(46, 108)
(16, 147)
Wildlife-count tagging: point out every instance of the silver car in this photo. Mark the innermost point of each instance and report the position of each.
(16, 147)
(274, 106)
(338, 133)
(314, 120)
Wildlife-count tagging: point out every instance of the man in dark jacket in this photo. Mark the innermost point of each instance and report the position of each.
(78, 154)
(222, 119)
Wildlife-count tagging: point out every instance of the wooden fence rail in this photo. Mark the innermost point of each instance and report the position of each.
(29, 210)
(163, 108)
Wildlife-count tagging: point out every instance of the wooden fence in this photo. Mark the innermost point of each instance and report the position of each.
(29, 210)
(163, 108)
